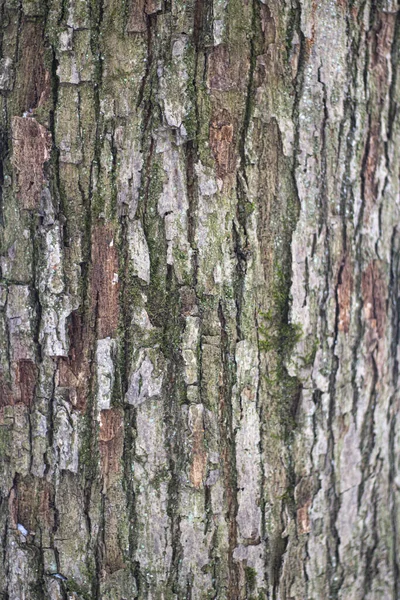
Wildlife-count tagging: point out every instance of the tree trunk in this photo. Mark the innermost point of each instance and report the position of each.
(199, 299)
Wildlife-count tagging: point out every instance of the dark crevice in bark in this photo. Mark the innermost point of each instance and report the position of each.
(298, 89)
(36, 247)
(100, 550)
(125, 351)
(128, 459)
(370, 571)
(63, 588)
(96, 16)
(50, 428)
(199, 42)
(261, 446)
(393, 404)
(334, 578)
(239, 233)
(228, 455)
(280, 338)
(241, 258)
(191, 179)
(323, 207)
(173, 423)
(19, 12)
(151, 26)
(208, 512)
(248, 106)
(277, 566)
(6, 536)
(393, 104)
(91, 312)
(8, 340)
(3, 131)
(358, 237)
(367, 435)
(3, 154)
(2, 16)
(130, 286)
(40, 586)
(90, 464)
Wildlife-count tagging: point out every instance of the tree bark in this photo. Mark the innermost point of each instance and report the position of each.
(199, 299)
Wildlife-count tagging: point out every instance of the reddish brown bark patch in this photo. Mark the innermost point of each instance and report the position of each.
(303, 494)
(33, 503)
(381, 40)
(22, 390)
(104, 280)
(222, 143)
(111, 440)
(26, 379)
(31, 150)
(344, 297)
(138, 11)
(228, 69)
(374, 295)
(303, 519)
(311, 41)
(33, 81)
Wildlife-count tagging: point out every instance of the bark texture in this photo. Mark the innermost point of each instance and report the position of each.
(199, 299)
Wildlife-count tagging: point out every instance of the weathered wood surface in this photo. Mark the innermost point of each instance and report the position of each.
(199, 299)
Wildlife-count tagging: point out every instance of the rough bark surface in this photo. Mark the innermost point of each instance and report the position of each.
(199, 299)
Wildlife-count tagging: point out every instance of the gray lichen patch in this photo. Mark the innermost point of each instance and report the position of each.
(146, 379)
(20, 317)
(173, 206)
(190, 349)
(139, 251)
(66, 435)
(6, 74)
(105, 360)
